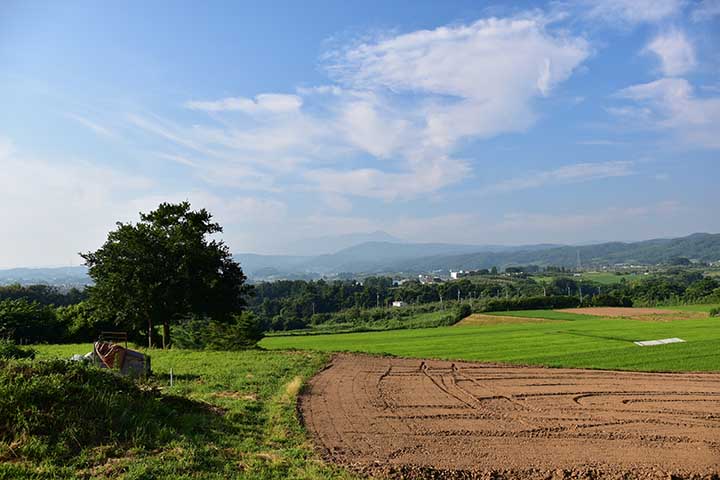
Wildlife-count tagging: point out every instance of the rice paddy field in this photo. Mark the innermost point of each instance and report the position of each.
(565, 340)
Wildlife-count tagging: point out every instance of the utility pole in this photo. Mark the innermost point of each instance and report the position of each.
(579, 263)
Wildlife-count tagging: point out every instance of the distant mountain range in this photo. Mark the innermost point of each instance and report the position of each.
(395, 257)
(61, 276)
(411, 258)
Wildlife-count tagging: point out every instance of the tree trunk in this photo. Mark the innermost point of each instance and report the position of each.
(150, 333)
(166, 335)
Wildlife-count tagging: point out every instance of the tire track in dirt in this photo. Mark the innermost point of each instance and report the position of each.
(411, 418)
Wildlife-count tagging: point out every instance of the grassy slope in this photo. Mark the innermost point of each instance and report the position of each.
(692, 308)
(588, 342)
(260, 436)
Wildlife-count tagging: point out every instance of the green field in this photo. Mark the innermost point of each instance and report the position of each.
(603, 278)
(579, 341)
(693, 308)
(256, 436)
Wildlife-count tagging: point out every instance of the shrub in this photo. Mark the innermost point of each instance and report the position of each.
(29, 322)
(463, 310)
(8, 350)
(198, 333)
(715, 312)
(605, 300)
(530, 303)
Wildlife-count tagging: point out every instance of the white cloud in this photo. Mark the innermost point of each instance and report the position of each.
(551, 226)
(579, 172)
(263, 103)
(670, 104)
(403, 101)
(56, 208)
(676, 53)
(94, 126)
(707, 10)
(632, 11)
(491, 70)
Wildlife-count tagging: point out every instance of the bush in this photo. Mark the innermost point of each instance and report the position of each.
(530, 303)
(605, 300)
(200, 333)
(715, 312)
(463, 310)
(29, 322)
(10, 351)
(53, 410)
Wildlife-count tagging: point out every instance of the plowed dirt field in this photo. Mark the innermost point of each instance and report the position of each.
(408, 418)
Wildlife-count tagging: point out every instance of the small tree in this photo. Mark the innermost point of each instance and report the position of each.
(164, 268)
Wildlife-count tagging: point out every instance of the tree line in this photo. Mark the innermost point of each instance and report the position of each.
(167, 275)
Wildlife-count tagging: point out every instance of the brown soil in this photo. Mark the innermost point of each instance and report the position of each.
(405, 418)
(483, 319)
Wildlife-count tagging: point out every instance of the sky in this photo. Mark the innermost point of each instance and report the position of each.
(455, 121)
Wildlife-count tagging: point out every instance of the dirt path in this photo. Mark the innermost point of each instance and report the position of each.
(433, 419)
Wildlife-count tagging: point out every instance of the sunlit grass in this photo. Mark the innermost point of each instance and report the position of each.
(257, 436)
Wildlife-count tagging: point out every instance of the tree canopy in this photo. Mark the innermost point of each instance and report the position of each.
(164, 268)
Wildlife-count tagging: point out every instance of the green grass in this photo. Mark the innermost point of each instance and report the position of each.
(256, 436)
(692, 308)
(603, 278)
(602, 343)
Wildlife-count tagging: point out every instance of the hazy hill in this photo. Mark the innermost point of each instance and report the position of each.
(70, 276)
(699, 246)
(388, 257)
(392, 257)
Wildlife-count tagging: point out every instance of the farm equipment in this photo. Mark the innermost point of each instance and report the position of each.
(109, 353)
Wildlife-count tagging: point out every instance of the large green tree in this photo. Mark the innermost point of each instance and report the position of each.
(164, 268)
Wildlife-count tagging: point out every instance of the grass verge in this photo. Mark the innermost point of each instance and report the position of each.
(237, 419)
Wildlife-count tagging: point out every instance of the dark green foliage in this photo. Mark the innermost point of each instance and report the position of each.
(197, 333)
(29, 322)
(605, 300)
(529, 303)
(715, 312)
(43, 294)
(82, 322)
(52, 410)
(461, 311)
(10, 351)
(164, 268)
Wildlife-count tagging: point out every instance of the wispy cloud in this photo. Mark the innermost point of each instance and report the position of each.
(670, 104)
(577, 173)
(706, 10)
(675, 52)
(400, 105)
(264, 103)
(92, 125)
(630, 12)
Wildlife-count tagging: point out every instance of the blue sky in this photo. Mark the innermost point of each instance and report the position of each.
(468, 122)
